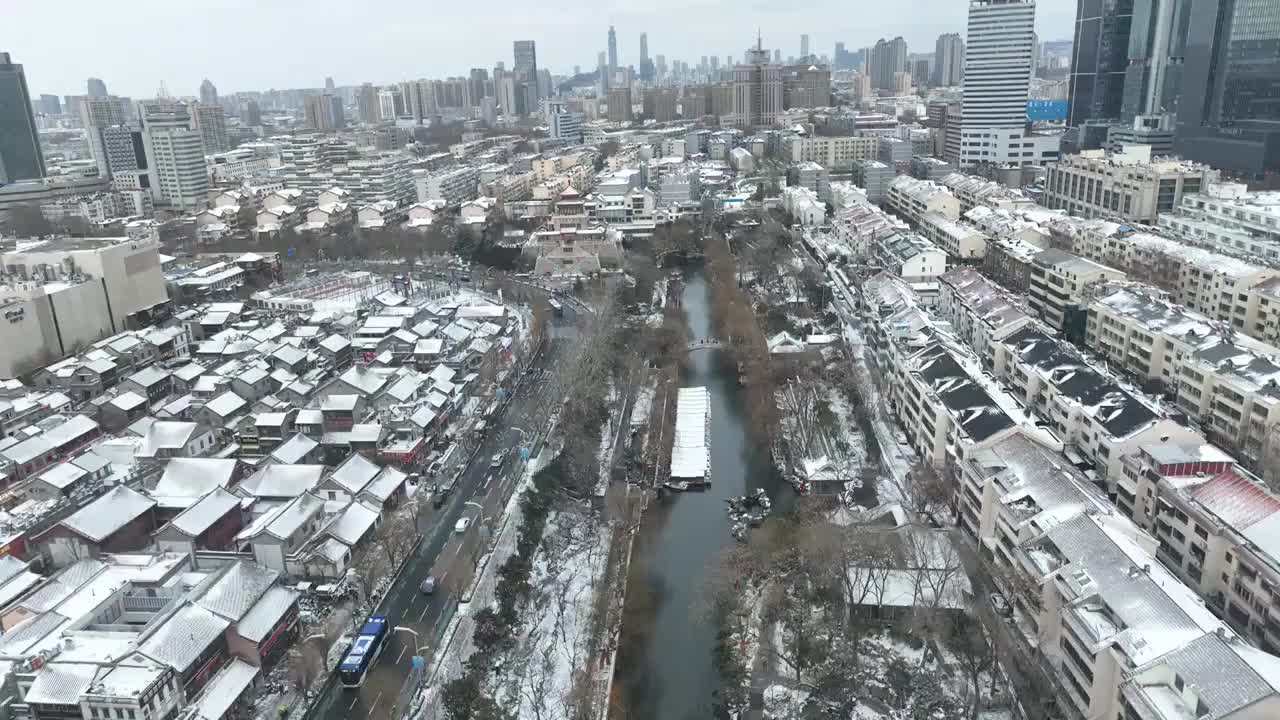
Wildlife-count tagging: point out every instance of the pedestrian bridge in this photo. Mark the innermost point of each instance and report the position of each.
(705, 344)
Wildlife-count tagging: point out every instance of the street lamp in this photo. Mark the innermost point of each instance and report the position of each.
(416, 638)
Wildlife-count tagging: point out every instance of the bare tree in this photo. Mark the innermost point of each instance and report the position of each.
(397, 536)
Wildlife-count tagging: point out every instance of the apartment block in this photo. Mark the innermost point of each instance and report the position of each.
(962, 242)
(451, 186)
(1229, 385)
(874, 177)
(859, 225)
(832, 152)
(980, 312)
(1228, 216)
(1128, 185)
(1124, 637)
(1089, 411)
(1213, 283)
(974, 191)
(912, 198)
(1058, 284)
(910, 257)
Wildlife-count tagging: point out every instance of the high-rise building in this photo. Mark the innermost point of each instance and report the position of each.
(948, 60)
(123, 150)
(1100, 59)
(646, 66)
(613, 53)
(660, 72)
(660, 104)
(328, 85)
(367, 104)
(211, 121)
(20, 156)
(997, 76)
(526, 63)
(103, 111)
(208, 93)
(250, 113)
(804, 46)
(777, 56)
(620, 104)
(562, 124)
(1157, 49)
(602, 69)
(479, 79)
(50, 105)
(757, 90)
(94, 87)
(806, 86)
(175, 154)
(324, 112)
(887, 58)
(1229, 112)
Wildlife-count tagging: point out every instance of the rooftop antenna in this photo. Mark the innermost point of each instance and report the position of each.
(759, 40)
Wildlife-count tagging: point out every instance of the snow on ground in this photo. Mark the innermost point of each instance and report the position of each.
(781, 701)
(608, 434)
(554, 644)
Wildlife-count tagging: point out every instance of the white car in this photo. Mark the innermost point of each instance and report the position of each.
(462, 525)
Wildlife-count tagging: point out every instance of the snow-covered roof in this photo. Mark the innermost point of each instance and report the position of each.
(61, 684)
(335, 343)
(226, 404)
(128, 400)
(690, 456)
(203, 513)
(101, 518)
(239, 588)
(223, 690)
(179, 642)
(282, 481)
(194, 477)
(385, 484)
(355, 521)
(266, 613)
(354, 473)
(294, 449)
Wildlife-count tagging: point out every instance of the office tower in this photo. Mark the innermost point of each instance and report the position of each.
(20, 156)
(757, 90)
(602, 69)
(328, 85)
(250, 113)
(175, 154)
(1100, 58)
(208, 93)
(324, 112)
(489, 110)
(660, 104)
(123, 150)
(367, 103)
(95, 88)
(1157, 46)
(102, 111)
(997, 75)
(388, 104)
(211, 121)
(562, 124)
(777, 56)
(526, 65)
(919, 69)
(50, 105)
(806, 86)
(613, 53)
(1229, 112)
(620, 104)
(545, 89)
(646, 65)
(479, 78)
(887, 58)
(804, 46)
(948, 60)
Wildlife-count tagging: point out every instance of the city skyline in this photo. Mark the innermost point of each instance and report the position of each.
(162, 50)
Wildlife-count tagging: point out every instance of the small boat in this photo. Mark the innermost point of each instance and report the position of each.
(680, 486)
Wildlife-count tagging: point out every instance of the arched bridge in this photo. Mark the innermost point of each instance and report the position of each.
(704, 344)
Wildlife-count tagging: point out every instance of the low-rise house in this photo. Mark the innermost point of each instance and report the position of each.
(120, 521)
(210, 523)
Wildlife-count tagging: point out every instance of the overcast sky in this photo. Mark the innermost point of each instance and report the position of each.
(261, 44)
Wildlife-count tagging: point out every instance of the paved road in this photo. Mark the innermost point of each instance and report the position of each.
(449, 556)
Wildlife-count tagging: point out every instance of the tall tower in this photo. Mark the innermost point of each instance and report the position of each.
(20, 156)
(757, 89)
(613, 52)
(804, 46)
(997, 76)
(646, 70)
(95, 88)
(526, 70)
(948, 60)
(208, 93)
(175, 153)
(1099, 60)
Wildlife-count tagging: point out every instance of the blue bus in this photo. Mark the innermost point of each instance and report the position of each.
(364, 652)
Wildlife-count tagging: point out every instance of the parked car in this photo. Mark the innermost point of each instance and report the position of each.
(495, 462)
(1001, 605)
(428, 585)
(462, 525)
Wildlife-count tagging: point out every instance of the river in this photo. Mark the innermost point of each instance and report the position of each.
(665, 665)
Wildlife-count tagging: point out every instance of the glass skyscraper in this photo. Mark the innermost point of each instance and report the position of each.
(20, 156)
